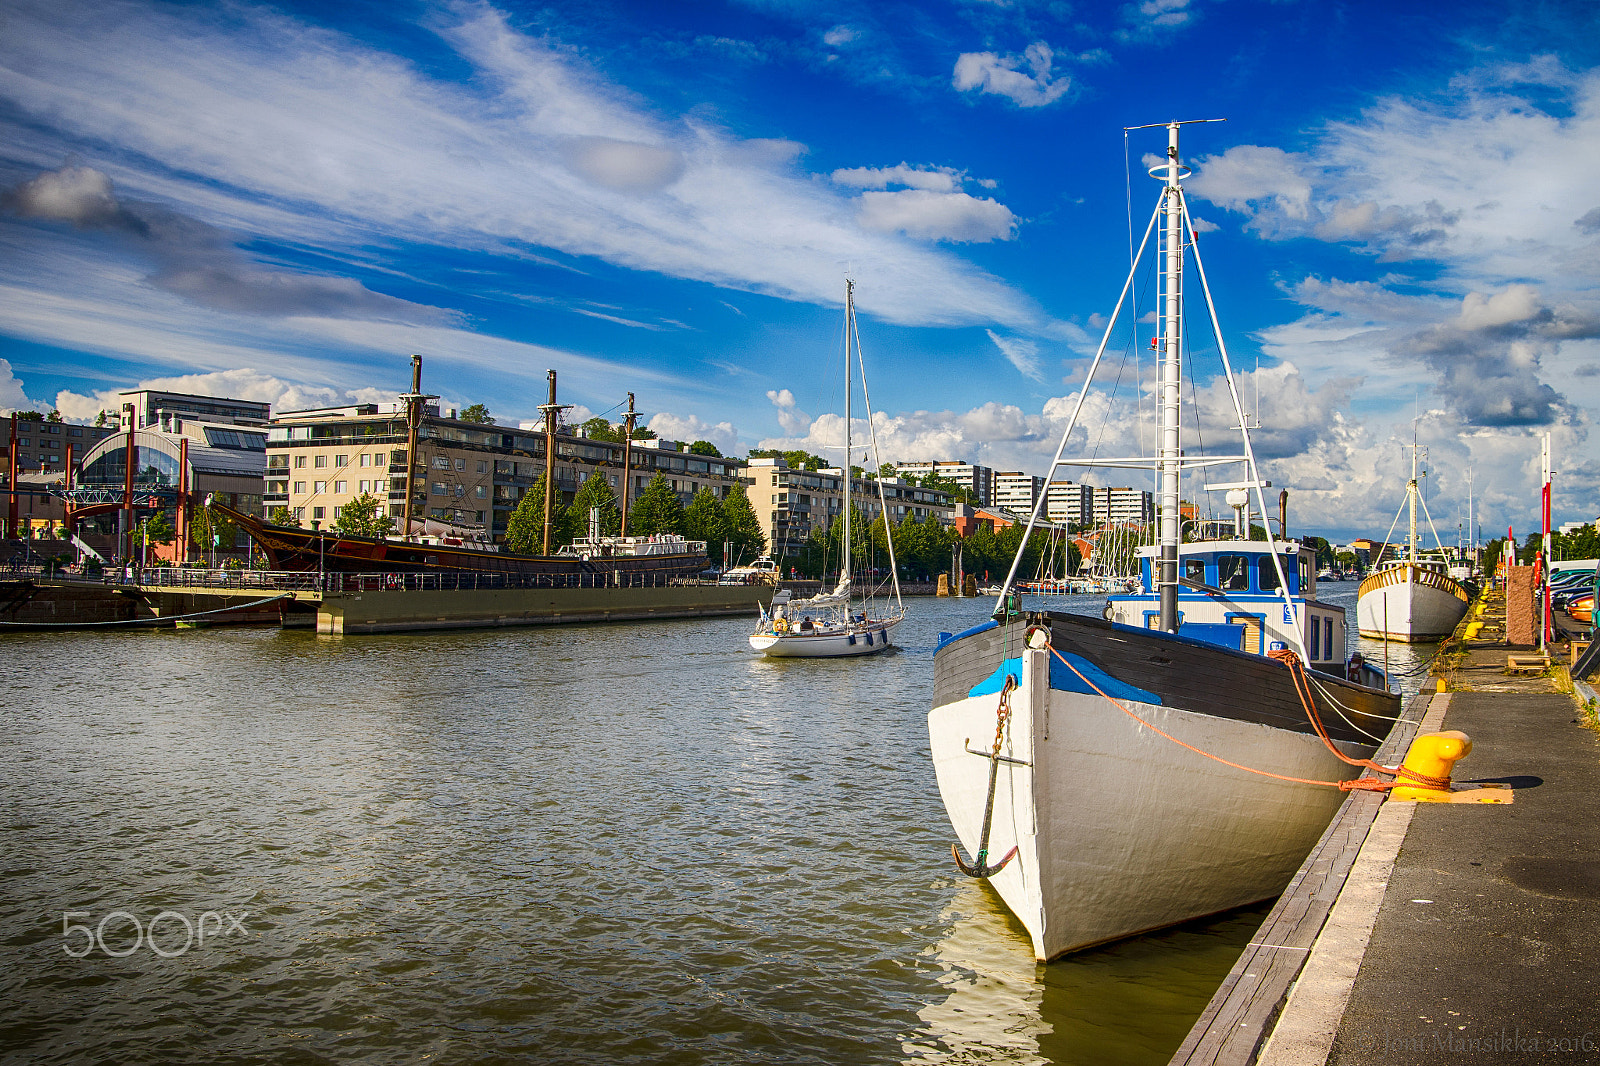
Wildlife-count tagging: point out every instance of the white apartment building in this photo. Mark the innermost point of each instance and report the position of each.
(1017, 492)
(978, 480)
(1115, 505)
(1070, 503)
(790, 504)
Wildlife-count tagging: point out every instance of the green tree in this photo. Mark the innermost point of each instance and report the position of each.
(598, 428)
(100, 419)
(797, 460)
(476, 413)
(745, 539)
(282, 516)
(705, 520)
(657, 510)
(594, 492)
(525, 528)
(704, 447)
(160, 529)
(55, 416)
(27, 416)
(210, 528)
(364, 517)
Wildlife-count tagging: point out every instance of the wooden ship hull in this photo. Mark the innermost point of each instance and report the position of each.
(329, 551)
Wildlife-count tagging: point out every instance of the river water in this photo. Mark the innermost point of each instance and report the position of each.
(612, 843)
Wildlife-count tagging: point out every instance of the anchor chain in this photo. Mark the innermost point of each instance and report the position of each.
(980, 867)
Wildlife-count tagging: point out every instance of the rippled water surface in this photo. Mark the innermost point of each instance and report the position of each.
(637, 844)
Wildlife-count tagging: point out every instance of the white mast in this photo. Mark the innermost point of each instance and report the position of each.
(1169, 425)
(849, 322)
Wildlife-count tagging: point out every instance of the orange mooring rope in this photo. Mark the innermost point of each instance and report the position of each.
(1292, 661)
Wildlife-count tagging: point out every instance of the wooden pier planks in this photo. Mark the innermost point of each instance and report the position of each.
(1230, 1031)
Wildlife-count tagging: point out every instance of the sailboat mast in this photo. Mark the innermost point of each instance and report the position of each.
(849, 327)
(1168, 422)
(1411, 501)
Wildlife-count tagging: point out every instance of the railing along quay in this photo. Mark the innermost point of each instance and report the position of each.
(393, 581)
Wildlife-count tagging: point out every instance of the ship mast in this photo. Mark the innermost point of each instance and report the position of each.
(414, 401)
(1169, 431)
(849, 326)
(627, 458)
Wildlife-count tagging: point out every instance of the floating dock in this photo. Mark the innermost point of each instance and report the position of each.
(1440, 932)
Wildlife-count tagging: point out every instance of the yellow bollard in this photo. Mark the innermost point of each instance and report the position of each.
(1441, 685)
(1434, 755)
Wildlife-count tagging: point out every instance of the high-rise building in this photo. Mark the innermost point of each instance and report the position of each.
(791, 504)
(1119, 505)
(1069, 502)
(978, 480)
(1017, 492)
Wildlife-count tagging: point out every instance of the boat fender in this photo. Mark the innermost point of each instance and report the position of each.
(1107, 612)
(1427, 767)
(1037, 637)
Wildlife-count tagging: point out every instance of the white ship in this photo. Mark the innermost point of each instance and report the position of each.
(1413, 599)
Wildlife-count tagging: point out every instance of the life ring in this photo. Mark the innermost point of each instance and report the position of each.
(780, 626)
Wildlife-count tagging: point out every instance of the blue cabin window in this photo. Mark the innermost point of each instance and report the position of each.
(1195, 570)
(1316, 645)
(1233, 573)
(1327, 639)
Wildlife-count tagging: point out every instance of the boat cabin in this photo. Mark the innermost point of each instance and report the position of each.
(1229, 595)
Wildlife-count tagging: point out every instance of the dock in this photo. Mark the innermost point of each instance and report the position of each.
(1432, 932)
(339, 604)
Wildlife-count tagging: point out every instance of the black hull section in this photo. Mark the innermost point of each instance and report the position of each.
(1183, 672)
(293, 548)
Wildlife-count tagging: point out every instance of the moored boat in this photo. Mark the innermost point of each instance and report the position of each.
(1414, 599)
(1180, 756)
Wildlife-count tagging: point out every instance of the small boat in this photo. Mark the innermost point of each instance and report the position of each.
(1181, 755)
(828, 625)
(763, 571)
(1413, 599)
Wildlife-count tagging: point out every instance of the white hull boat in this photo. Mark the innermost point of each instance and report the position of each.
(827, 641)
(1182, 754)
(1410, 602)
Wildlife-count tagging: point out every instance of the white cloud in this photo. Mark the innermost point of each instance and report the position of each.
(243, 383)
(11, 394)
(989, 72)
(260, 123)
(1252, 179)
(790, 417)
(1148, 17)
(937, 216)
(840, 35)
(689, 428)
(933, 179)
(1023, 354)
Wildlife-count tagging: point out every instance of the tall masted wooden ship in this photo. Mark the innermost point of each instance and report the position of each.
(330, 551)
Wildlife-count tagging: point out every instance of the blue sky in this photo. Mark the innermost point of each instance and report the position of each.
(1400, 220)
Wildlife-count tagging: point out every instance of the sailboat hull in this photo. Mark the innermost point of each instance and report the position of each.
(866, 639)
(1119, 830)
(1410, 603)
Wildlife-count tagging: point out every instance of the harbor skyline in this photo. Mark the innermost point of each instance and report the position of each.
(280, 204)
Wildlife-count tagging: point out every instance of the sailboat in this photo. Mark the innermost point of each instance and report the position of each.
(1413, 599)
(1181, 755)
(830, 624)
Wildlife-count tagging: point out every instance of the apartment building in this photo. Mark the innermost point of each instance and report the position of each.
(790, 504)
(41, 447)
(1070, 503)
(467, 474)
(978, 480)
(1123, 505)
(155, 407)
(1017, 492)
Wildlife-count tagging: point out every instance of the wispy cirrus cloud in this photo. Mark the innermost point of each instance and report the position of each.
(343, 145)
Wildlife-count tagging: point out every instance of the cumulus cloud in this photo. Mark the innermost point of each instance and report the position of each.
(937, 216)
(689, 428)
(1025, 80)
(195, 260)
(11, 394)
(239, 384)
(932, 179)
(790, 417)
(1248, 178)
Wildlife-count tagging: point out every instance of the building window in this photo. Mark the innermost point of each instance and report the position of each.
(461, 464)
(336, 511)
(299, 488)
(366, 460)
(442, 462)
(319, 461)
(75, 431)
(319, 487)
(318, 512)
(300, 462)
(441, 489)
(479, 519)
(340, 488)
(482, 492)
(461, 490)
(483, 466)
(340, 460)
(299, 513)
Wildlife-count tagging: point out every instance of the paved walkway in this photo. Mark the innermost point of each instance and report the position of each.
(1487, 944)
